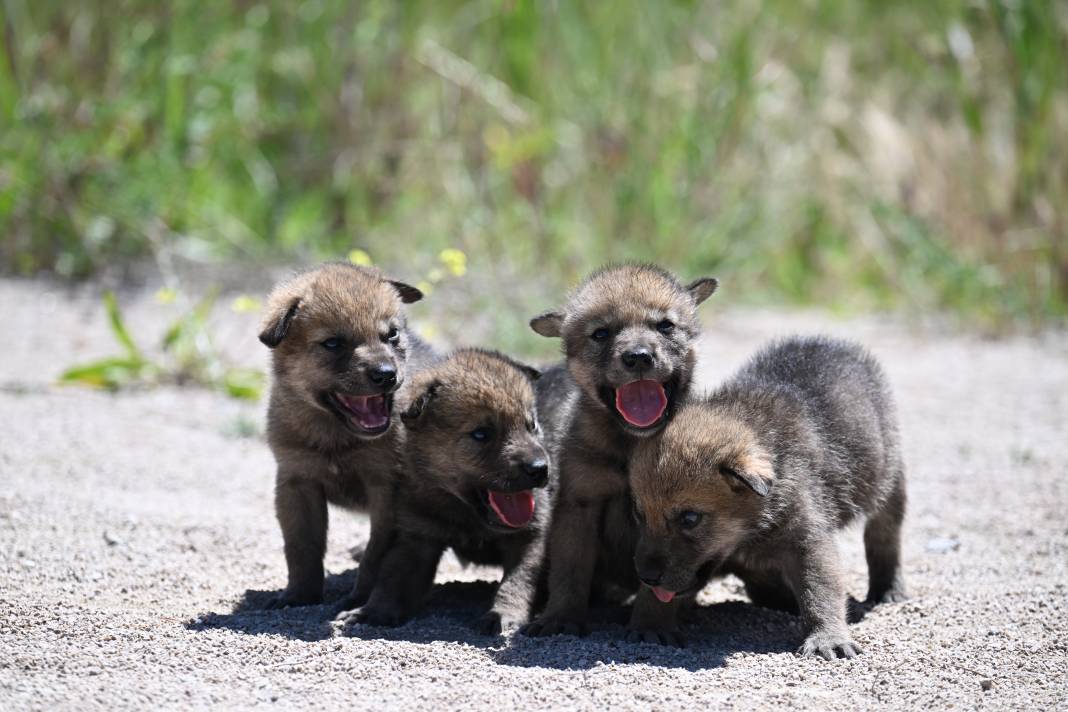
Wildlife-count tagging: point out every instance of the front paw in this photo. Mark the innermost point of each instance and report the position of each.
(388, 616)
(348, 604)
(829, 645)
(494, 622)
(895, 594)
(554, 625)
(670, 638)
(293, 599)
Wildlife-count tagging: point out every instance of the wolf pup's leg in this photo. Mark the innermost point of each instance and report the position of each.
(573, 546)
(382, 536)
(654, 622)
(515, 595)
(404, 580)
(301, 508)
(816, 578)
(882, 547)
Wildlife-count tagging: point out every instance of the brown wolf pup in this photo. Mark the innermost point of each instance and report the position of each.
(757, 479)
(628, 334)
(340, 349)
(474, 478)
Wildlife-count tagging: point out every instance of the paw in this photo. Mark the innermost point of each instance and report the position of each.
(671, 638)
(554, 625)
(489, 623)
(829, 645)
(385, 616)
(349, 603)
(288, 599)
(893, 595)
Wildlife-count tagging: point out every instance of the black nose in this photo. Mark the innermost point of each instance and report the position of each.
(382, 374)
(637, 358)
(651, 574)
(538, 471)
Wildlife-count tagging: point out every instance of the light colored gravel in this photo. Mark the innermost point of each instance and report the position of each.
(137, 538)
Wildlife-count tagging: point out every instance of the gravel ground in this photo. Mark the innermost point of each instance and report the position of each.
(137, 541)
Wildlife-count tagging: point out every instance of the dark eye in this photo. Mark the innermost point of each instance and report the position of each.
(599, 334)
(331, 344)
(481, 434)
(666, 326)
(393, 336)
(532, 425)
(689, 520)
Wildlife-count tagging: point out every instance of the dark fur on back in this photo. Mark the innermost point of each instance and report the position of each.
(756, 479)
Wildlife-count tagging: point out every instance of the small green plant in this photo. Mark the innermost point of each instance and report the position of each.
(187, 357)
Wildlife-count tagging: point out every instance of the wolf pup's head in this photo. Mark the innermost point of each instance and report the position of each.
(339, 341)
(699, 492)
(472, 431)
(628, 336)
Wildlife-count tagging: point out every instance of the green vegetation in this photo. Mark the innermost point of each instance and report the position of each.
(852, 153)
(187, 357)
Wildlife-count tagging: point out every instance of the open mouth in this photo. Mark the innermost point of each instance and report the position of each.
(513, 509)
(641, 403)
(368, 413)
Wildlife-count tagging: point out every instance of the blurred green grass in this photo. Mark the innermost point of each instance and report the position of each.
(849, 153)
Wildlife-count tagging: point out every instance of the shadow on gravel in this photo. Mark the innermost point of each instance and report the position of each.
(449, 615)
(249, 614)
(712, 633)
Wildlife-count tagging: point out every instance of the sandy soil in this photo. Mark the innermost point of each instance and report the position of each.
(137, 541)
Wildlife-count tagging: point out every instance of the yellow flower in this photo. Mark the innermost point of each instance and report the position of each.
(360, 257)
(245, 304)
(166, 295)
(454, 260)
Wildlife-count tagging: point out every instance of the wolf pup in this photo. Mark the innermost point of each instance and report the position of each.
(756, 480)
(474, 478)
(628, 334)
(340, 350)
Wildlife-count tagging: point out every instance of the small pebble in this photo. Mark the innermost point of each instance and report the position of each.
(942, 545)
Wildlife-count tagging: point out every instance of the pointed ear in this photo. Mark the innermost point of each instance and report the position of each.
(548, 324)
(412, 414)
(280, 312)
(753, 471)
(702, 288)
(407, 292)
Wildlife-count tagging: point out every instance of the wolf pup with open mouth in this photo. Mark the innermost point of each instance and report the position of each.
(475, 478)
(756, 481)
(628, 336)
(340, 349)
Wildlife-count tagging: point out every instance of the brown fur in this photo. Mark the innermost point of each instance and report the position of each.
(592, 537)
(440, 499)
(322, 455)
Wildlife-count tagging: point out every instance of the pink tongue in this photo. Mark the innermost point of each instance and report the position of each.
(515, 509)
(369, 412)
(663, 595)
(641, 403)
